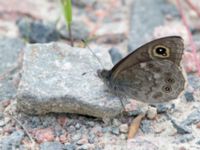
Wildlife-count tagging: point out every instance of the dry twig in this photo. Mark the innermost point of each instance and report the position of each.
(135, 126)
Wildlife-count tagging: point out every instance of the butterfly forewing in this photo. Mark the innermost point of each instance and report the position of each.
(151, 73)
(174, 44)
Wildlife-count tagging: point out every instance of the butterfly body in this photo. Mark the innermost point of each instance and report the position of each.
(150, 74)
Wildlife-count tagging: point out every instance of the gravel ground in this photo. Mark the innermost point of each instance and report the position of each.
(172, 126)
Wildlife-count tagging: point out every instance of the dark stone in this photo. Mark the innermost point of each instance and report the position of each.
(192, 118)
(162, 108)
(37, 31)
(115, 130)
(115, 54)
(142, 26)
(69, 147)
(189, 96)
(91, 138)
(185, 138)
(181, 128)
(146, 126)
(12, 141)
(198, 142)
(79, 31)
(194, 81)
(83, 3)
(106, 129)
(10, 50)
(51, 146)
(135, 112)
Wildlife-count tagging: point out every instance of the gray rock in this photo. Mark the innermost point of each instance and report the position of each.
(192, 118)
(194, 81)
(106, 129)
(189, 96)
(69, 147)
(115, 54)
(180, 127)
(185, 138)
(162, 108)
(135, 112)
(77, 126)
(12, 141)
(37, 31)
(10, 50)
(142, 26)
(51, 146)
(59, 78)
(90, 123)
(76, 137)
(146, 126)
(198, 142)
(79, 31)
(83, 3)
(115, 130)
(91, 138)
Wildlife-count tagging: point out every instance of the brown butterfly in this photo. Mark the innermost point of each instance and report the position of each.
(152, 73)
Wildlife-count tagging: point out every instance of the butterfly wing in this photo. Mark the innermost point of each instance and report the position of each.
(152, 81)
(167, 48)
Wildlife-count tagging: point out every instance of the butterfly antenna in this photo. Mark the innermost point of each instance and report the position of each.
(92, 53)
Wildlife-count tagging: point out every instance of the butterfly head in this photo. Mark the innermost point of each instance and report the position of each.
(103, 74)
(159, 52)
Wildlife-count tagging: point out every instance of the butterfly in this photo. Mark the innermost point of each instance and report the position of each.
(152, 73)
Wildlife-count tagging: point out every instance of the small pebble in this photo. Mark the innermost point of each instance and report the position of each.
(123, 128)
(76, 137)
(90, 123)
(77, 126)
(82, 141)
(116, 122)
(198, 125)
(91, 138)
(185, 138)
(146, 126)
(106, 129)
(152, 113)
(115, 130)
(189, 96)
(71, 129)
(69, 146)
(122, 136)
(86, 147)
(198, 142)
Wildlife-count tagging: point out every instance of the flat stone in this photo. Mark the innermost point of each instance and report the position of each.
(59, 78)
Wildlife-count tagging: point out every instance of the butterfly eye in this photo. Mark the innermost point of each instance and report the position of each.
(167, 89)
(161, 51)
